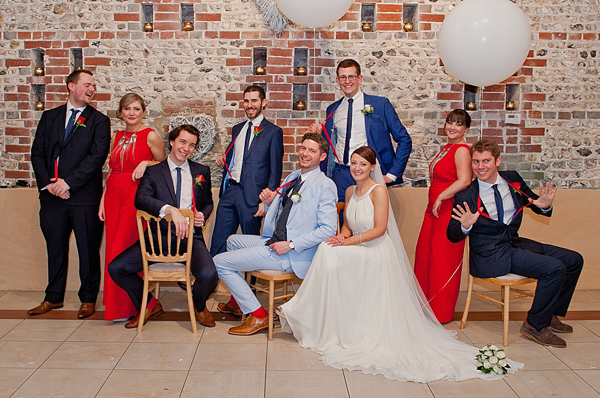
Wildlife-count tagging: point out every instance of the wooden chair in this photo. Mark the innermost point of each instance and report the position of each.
(506, 282)
(272, 277)
(165, 267)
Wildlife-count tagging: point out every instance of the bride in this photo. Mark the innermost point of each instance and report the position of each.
(360, 306)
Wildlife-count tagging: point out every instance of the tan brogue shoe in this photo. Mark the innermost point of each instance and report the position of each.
(205, 318)
(543, 336)
(154, 312)
(250, 326)
(86, 310)
(44, 307)
(558, 327)
(227, 308)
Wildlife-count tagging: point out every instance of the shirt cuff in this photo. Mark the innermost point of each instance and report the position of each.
(546, 210)
(391, 177)
(163, 211)
(466, 230)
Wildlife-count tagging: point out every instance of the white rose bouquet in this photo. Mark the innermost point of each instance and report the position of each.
(492, 359)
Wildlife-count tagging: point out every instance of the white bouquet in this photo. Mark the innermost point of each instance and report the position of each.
(492, 359)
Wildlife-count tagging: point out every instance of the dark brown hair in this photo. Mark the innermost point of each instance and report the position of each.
(173, 134)
(318, 138)
(258, 89)
(348, 63)
(366, 153)
(74, 76)
(459, 116)
(486, 145)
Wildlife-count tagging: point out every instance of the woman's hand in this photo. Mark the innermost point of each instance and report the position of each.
(436, 206)
(338, 240)
(101, 214)
(139, 170)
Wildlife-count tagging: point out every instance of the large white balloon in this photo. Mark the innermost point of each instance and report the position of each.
(483, 42)
(313, 13)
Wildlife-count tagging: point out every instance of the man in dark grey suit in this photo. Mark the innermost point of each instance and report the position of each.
(490, 211)
(70, 147)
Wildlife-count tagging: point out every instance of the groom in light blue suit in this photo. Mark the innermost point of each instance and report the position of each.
(301, 214)
(359, 119)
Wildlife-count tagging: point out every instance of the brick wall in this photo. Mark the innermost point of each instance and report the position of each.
(556, 91)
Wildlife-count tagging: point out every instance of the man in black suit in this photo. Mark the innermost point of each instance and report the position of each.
(498, 199)
(174, 183)
(70, 147)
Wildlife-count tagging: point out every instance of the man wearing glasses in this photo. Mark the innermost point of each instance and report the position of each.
(359, 119)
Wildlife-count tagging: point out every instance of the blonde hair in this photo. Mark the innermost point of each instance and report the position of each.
(129, 99)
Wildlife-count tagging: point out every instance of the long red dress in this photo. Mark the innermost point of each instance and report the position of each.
(438, 261)
(129, 149)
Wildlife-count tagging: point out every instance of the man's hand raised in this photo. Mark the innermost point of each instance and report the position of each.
(465, 216)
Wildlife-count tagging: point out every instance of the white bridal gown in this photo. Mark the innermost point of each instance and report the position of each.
(361, 309)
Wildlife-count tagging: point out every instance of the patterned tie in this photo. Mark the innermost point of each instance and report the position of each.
(499, 203)
(348, 131)
(71, 124)
(248, 133)
(178, 188)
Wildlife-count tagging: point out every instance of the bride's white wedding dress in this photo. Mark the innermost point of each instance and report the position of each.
(361, 309)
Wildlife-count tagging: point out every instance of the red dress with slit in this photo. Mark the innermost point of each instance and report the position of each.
(129, 149)
(438, 262)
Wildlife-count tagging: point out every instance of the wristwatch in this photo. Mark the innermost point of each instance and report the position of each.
(292, 245)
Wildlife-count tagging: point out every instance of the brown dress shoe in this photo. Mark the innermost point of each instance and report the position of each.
(154, 312)
(86, 309)
(558, 327)
(543, 337)
(227, 308)
(205, 318)
(250, 326)
(44, 307)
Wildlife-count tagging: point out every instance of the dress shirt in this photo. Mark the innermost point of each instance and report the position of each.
(186, 185)
(358, 136)
(240, 143)
(69, 107)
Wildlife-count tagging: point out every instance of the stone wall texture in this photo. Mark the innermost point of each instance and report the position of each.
(184, 73)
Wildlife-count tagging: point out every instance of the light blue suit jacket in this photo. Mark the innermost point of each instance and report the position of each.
(312, 219)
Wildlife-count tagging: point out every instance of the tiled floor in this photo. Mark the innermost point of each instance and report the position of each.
(92, 358)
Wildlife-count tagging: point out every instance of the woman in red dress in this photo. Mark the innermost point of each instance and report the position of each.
(134, 149)
(438, 261)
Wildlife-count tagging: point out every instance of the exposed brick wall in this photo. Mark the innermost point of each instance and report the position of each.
(205, 71)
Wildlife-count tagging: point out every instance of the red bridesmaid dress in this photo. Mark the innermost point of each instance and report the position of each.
(438, 262)
(129, 149)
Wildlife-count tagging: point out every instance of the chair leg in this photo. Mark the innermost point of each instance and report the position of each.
(157, 290)
(463, 321)
(285, 290)
(271, 305)
(190, 301)
(505, 313)
(144, 304)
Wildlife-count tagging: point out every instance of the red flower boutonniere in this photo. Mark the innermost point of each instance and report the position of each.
(80, 121)
(257, 130)
(199, 180)
(516, 186)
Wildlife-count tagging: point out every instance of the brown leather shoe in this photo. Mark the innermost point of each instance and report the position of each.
(227, 308)
(154, 312)
(86, 309)
(205, 318)
(44, 307)
(250, 326)
(558, 327)
(543, 337)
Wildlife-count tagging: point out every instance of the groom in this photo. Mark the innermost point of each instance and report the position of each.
(498, 199)
(301, 214)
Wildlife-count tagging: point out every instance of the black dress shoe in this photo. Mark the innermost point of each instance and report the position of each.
(558, 327)
(543, 336)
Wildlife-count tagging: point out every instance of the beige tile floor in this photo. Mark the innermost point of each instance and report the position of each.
(90, 358)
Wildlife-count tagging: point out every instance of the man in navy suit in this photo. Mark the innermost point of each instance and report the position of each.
(490, 211)
(359, 119)
(175, 179)
(70, 147)
(253, 163)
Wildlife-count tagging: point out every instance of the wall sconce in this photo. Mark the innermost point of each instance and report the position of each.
(39, 106)
(300, 106)
(367, 27)
(301, 71)
(261, 70)
(409, 27)
(471, 106)
(148, 27)
(510, 106)
(39, 71)
(188, 26)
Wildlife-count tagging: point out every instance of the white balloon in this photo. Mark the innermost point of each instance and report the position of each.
(313, 13)
(483, 42)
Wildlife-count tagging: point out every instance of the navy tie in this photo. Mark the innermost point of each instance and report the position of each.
(499, 203)
(248, 133)
(178, 188)
(69, 128)
(348, 131)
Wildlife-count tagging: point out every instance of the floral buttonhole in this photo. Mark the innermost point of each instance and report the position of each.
(257, 130)
(368, 109)
(80, 121)
(199, 180)
(296, 197)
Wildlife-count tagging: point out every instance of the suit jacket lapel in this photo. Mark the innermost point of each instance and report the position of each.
(76, 129)
(59, 124)
(309, 181)
(262, 125)
(367, 101)
(168, 179)
(514, 197)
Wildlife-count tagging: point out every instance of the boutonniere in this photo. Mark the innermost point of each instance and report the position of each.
(80, 122)
(199, 180)
(492, 360)
(296, 197)
(368, 109)
(257, 130)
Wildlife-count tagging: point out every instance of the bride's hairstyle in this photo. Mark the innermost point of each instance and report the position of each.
(366, 153)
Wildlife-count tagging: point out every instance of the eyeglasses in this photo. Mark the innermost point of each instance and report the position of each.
(350, 78)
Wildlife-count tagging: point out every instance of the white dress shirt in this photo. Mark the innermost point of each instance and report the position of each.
(240, 143)
(358, 136)
(186, 185)
(69, 113)
(486, 192)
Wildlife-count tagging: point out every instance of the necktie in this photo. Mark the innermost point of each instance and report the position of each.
(71, 123)
(178, 188)
(499, 204)
(280, 233)
(348, 132)
(248, 133)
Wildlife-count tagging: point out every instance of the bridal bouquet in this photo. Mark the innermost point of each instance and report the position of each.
(492, 359)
